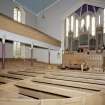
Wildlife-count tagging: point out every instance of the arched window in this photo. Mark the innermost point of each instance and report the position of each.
(99, 19)
(72, 23)
(87, 22)
(104, 20)
(93, 26)
(17, 14)
(77, 28)
(67, 26)
(82, 23)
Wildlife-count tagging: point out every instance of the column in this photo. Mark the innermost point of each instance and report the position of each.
(3, 53)
(48, 56)
(32, 55)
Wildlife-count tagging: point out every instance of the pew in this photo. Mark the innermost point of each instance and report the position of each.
(31, 71)
(11, 76)
(6, 80)
(24, 74)
(84, 80)
(81, 85)
(79, 75)
(52, 88)
(70, 94)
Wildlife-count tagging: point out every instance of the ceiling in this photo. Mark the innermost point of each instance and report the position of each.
(36, 6)
(87, 8)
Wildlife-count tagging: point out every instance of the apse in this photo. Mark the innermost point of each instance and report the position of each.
(84, 25)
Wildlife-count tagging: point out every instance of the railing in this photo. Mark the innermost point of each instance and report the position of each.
(94, 61)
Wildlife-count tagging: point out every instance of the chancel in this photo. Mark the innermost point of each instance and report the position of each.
(84, 37)
(52, 52)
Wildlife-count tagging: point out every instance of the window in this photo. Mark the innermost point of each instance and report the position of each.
(17, 14)
(87, 22)
(67, 26)
(72, 23)
(82, 23)
(104, 20)
(93, 26)
(77, 28)
(99, 19)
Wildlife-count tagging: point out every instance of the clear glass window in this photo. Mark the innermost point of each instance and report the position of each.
(72, 23)
(67, 26)
(104, 20)
(82, 23)
(17, 14)
(93, 26)
(87, 22)
(77, 28)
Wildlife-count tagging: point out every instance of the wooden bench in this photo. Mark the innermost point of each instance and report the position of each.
(53, 89)
(83, 80)
(81, 85)
(11, 76)
(6, 80)
(79, 75)
(24, 74)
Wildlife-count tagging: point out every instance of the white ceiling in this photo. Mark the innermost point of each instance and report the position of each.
(36, 6)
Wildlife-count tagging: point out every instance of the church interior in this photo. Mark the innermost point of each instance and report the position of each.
(52, 52)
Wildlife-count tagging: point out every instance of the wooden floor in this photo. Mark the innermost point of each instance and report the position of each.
(42, 84)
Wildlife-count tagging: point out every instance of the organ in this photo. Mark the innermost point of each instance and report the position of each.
(86, 44)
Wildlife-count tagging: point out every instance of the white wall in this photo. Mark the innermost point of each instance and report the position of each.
(27, 52)
(30, 19)
(22, 51)
(53, 23)
(55, 57)
(7, 6)
(41, 55)
(9, 50)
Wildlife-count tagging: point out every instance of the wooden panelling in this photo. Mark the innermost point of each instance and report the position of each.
(92, 60)
(10, 25)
